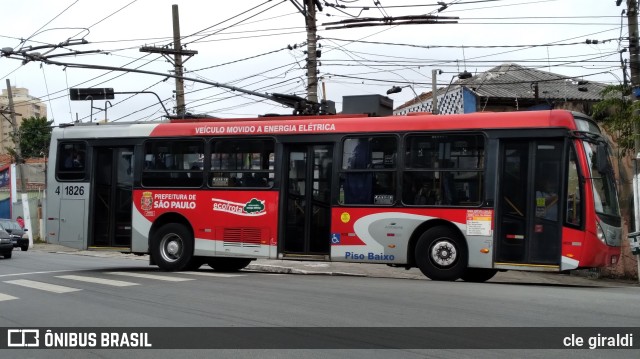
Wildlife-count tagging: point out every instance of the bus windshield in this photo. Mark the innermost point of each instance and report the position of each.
(604, 189)
(602, 176)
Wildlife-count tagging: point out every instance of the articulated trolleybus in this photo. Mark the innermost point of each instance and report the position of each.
(458, 196)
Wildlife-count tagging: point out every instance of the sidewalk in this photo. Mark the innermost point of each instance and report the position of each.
(365, 270)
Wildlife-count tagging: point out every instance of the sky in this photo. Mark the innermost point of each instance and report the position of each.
(246, 44)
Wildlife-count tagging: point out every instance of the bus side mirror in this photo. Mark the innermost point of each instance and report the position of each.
(602, 159)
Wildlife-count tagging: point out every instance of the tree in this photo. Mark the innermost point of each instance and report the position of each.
(617, 114)
(35, 135)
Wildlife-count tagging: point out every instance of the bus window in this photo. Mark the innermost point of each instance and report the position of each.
(443, 170)
(71, 161)
(242, 163)
(173, 163)
(368, 174)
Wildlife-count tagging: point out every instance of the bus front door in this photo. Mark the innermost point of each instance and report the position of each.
(111, 198)
(529, 218)
(306, 212)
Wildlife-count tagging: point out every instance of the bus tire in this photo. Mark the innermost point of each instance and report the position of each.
(172, 248)
(441, 254)
(478, 275)
(221, 264)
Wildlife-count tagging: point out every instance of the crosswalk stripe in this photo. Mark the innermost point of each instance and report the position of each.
(42, 286)
(4, 297)
(151, 276)
(211, 274)
(115, 283)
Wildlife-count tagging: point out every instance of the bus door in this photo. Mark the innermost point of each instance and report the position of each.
(111, 197)
(528, 219)
(306, 212)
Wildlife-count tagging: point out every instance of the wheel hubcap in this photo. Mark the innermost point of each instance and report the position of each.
(444, 253)
(171, 248)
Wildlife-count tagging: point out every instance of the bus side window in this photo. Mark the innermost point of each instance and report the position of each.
(368, 171)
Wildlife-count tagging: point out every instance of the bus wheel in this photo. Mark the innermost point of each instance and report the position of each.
(478, 275)
(172, 249)
(228, 264)
(441, 254)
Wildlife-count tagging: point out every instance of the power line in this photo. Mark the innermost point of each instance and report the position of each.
(48, 22)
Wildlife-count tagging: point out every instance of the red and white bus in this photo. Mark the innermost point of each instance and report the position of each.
(458, 196)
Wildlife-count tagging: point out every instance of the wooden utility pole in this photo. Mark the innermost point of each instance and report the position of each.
(634, 59)
(177, 53)
(180, 109)
(312, 58)
(634, 66)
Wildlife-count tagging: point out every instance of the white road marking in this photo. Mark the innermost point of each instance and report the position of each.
(115, 283)
(42, 286)
(4, 297)
(45, 272)
(212, 274)
(151, 276)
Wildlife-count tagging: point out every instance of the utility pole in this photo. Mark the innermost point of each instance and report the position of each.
(634, 66)
(312, 65)
(180, 109)
(177, 53)
(434, 90)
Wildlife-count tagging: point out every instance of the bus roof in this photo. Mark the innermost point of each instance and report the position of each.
(352, 124)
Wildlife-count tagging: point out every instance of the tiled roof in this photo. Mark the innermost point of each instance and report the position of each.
(512, 81)
(515, 81)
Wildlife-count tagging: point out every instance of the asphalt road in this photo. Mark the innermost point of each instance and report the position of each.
(40, 289)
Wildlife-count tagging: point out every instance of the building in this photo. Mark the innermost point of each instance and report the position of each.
(509, 87)
(25, 106)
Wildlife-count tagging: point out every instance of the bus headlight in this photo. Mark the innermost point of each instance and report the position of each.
(600, 233)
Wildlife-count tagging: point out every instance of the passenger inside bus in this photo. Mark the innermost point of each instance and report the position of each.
(546, 200)
(78, 161)
(69, 158)
(358, 187)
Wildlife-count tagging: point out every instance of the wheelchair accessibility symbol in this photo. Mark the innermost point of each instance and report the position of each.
(335, 238)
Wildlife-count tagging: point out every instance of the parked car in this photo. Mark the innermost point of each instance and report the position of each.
(6, 247)
(19, 237)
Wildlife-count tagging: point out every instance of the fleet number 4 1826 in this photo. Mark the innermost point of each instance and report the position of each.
(71, 190)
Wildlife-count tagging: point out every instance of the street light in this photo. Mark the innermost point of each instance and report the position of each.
(461, 76)
(396, 89)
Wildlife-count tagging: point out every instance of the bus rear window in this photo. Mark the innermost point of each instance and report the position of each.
(71, 161)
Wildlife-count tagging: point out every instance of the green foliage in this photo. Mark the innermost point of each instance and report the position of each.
(617, 113)
(35, 135)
